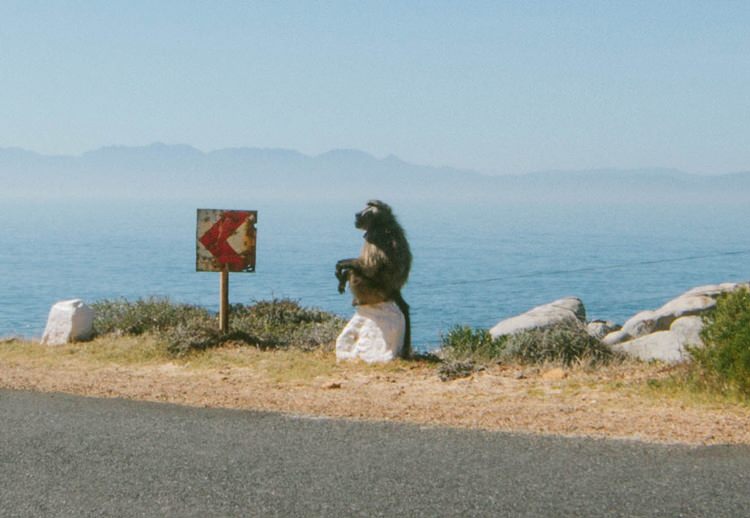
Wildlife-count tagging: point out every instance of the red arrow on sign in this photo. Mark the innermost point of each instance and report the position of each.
(215, 240)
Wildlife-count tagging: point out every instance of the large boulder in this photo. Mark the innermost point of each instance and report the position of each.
(601, 328)
(696, 301)
(68, 321)
(566, 310)
(374, 334)
(667, 346)
(714, 290)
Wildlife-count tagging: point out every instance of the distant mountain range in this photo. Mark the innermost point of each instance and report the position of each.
(180, 171)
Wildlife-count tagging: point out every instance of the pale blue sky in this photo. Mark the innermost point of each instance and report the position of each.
(501, 87)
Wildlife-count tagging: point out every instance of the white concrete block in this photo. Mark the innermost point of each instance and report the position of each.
(68, 321)
(374, 334)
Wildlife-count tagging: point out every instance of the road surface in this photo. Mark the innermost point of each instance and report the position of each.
(68, 456)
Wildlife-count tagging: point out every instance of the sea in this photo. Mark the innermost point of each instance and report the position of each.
(474, 264)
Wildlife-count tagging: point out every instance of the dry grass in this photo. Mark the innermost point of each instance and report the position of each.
(625, 400)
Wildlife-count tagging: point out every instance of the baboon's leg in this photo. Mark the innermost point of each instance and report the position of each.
(364, 290)
(404, 307)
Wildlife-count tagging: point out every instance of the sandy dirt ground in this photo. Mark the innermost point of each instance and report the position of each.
(613, 402)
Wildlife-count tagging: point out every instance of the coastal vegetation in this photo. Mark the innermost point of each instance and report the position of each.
(465, 349)
(721, 367)
(279, 356)
(183, 328)
(723, 364)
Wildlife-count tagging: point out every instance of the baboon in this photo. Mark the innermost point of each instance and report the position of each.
(383, 265)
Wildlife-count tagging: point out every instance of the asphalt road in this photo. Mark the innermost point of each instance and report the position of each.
(65, 456)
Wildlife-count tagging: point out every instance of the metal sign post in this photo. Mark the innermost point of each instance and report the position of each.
(224, 300)
(225, 243)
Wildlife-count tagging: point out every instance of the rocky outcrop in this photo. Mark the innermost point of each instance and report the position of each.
(661, 334)
(68, 321)
(668, 346)
(665, 333)
(601, 328)
(374, 334)
(696, 301)
(566, 310)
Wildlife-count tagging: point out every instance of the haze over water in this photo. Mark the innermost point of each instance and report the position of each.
(473, 265)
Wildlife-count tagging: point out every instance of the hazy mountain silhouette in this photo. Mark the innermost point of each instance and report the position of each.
(181, 171)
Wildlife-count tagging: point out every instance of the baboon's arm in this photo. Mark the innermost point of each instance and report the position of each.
(343, 267)
(358, 266)
(347, 264)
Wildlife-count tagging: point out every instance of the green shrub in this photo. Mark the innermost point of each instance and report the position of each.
(723, 363)
(184, 328)
(463, 343)
(566, 343)
(284, 323)
(193, 335)
(466, 350)
(151, 315)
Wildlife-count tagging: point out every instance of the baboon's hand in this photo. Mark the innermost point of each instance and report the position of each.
(342, 275)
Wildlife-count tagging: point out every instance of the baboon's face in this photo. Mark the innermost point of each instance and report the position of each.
(374, 210)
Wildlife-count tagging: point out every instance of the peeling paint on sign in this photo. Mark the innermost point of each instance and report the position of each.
(226, 238)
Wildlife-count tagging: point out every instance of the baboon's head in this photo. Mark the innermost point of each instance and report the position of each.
(374, 212)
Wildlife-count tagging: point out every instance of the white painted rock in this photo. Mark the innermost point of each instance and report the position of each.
(667, 346)
(569, 309)
(374, 334)
(68, 321)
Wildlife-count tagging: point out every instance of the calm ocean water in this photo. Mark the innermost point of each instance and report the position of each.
(473, 265)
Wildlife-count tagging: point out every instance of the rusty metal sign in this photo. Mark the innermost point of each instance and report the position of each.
(226, 240)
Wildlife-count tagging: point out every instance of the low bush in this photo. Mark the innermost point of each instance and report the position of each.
(151, 315)
(465, 349)
(278, 323)
(566, 343)
(462, 343)
(284, 323)
(723, 364)
(193, 335)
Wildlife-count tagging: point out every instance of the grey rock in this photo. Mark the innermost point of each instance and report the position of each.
(667, 346)
(714, 290)
(661, 345)
(694, 302)
(601, 328)
(615, 337)
(688, 330)
(640, 324)
(566, 310)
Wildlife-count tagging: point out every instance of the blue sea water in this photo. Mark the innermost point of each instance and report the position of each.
(473, 264)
